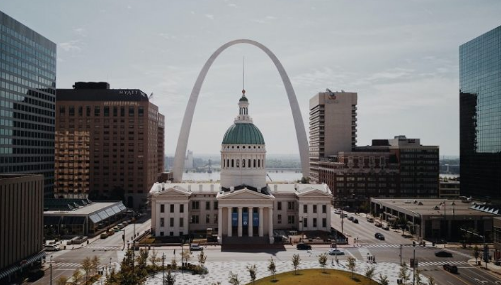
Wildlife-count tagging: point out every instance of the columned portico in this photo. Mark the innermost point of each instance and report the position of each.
(240, 221)
(230, 226)
(261, 223)
(251, 222)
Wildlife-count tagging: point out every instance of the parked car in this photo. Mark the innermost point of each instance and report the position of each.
(451, 268)
(104, 235)
(195, 247)
(379, 236)
(355, 220)
(335, 251)
(385, 227)
(344, 215)
(350, 218)
(52, 247)
(370, 219)
(378, 224)
(337, 211)
(443, 253)
(302, 246)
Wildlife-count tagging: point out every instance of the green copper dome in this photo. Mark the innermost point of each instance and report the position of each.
(243, 99)
(243, 133)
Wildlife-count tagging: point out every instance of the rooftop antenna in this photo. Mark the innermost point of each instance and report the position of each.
(243, 75)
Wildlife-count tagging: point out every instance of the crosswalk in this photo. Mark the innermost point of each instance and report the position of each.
(440, 263)
(381, 245)
(105, 248)
(66, 264)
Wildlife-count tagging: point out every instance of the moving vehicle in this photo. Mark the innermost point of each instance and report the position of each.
(385, 227)
(335, 251)
(302, 246)
(52, 247)
(370, 219)
(195, 247)
(350, 218)
(451, 268)
(443, 253)
(379, 236)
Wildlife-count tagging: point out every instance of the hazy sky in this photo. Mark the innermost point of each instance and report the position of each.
(400, 56)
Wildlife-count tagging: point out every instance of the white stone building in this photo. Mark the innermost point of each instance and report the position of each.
(242, 205)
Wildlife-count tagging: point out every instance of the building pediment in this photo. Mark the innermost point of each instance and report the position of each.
(174, 191)
(314, 192)
(244, 194)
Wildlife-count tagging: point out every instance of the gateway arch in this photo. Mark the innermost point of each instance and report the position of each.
(182, 142)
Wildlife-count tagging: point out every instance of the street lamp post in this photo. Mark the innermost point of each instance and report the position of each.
(163, 269)
(51, 270)
(414, 265)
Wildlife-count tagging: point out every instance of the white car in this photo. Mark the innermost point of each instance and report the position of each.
(335, 251)
(52, 247)
(337, 211)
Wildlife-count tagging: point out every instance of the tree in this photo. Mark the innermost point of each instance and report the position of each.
(322, 259)
(62, 280)
(87, 267)
(431, 281)
(476, 253)
(383, 279)
(295, 262)
(202, 257)
(185, 256)
(272, 268)
(418, 276)
(142, 258)
(252, 272)
(169, 279)
(77, 276)
(112, 278)
(404, 273)
(352, 265)
(95, 263)
(127, 276)
(154, 259)
(173, 263)
(369, 273)
(234, 279)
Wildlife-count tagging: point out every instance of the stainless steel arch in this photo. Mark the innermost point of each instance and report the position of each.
(184, 133)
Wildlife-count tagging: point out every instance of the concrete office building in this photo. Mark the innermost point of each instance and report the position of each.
(109, 143)
(27, 101)
(242, 206)
(333, 126)
(479, 115)
(21, 222)
(435, 219)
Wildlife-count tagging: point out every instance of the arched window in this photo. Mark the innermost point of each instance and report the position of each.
(227, 163)
(254, 163)
(232, 163)
(250, 165)
(243, 163)
(258, 163)
(238, 163)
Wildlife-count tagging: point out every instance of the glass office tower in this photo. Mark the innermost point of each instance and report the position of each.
(480, 115)
(27, 101)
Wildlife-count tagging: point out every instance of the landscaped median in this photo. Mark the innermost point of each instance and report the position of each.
(315, 276)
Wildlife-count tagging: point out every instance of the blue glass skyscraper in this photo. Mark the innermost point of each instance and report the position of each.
(480, 115)
(27, 101)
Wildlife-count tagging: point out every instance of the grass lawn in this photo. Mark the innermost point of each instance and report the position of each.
(316, 277)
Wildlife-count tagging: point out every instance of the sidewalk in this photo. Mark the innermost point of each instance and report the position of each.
(490, 266)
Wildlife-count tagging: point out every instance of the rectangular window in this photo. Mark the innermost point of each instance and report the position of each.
(290, 220)
(305, 222)
(290, 205)
(162, 222)
(181, 208)
(207, 219)
(131, 111)
(161, 234)
(106, 111)
(172, 208)
(97, 111)
(324, 209)
(181, 222)
(194, 219)
(305, 209)
(216, 206)
(140, 111)
(162, 208)
(314, 209)
(115, 111)
(122, 111)
(279, 206)
(324, 222)
(195, 205)
(314, 222)
(215, 218)
(171, 222)
(279, 219)
(87, 111)
(207, 205)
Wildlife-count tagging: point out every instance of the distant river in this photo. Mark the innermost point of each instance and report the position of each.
(276, 175)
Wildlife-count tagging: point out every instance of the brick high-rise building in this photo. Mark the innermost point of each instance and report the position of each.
(109, 143)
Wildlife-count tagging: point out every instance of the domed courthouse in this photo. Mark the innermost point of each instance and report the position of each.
(242, 206)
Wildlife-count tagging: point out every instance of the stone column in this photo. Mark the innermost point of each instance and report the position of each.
(329, 217)
(240, 221)
(250, 220)
(220, 224)
(270, 222)
(261, 222)
(300, 217)
(229, 222)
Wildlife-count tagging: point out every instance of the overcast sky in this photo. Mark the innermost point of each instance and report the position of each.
(400, 56)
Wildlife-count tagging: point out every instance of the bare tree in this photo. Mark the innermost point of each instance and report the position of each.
(404, 273)
(431, 281)
(383, 279)
(185, 256)
(173, 263)
(272, 268)
(295, 262)
(202, 257)
(234, 279)
(87, 267)
(369, 273)
(77, 276)
(62, 280)
(322, 259)
(154, 258)
(352, 264)
(252, 272)
(418, 276)
(95, 262)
